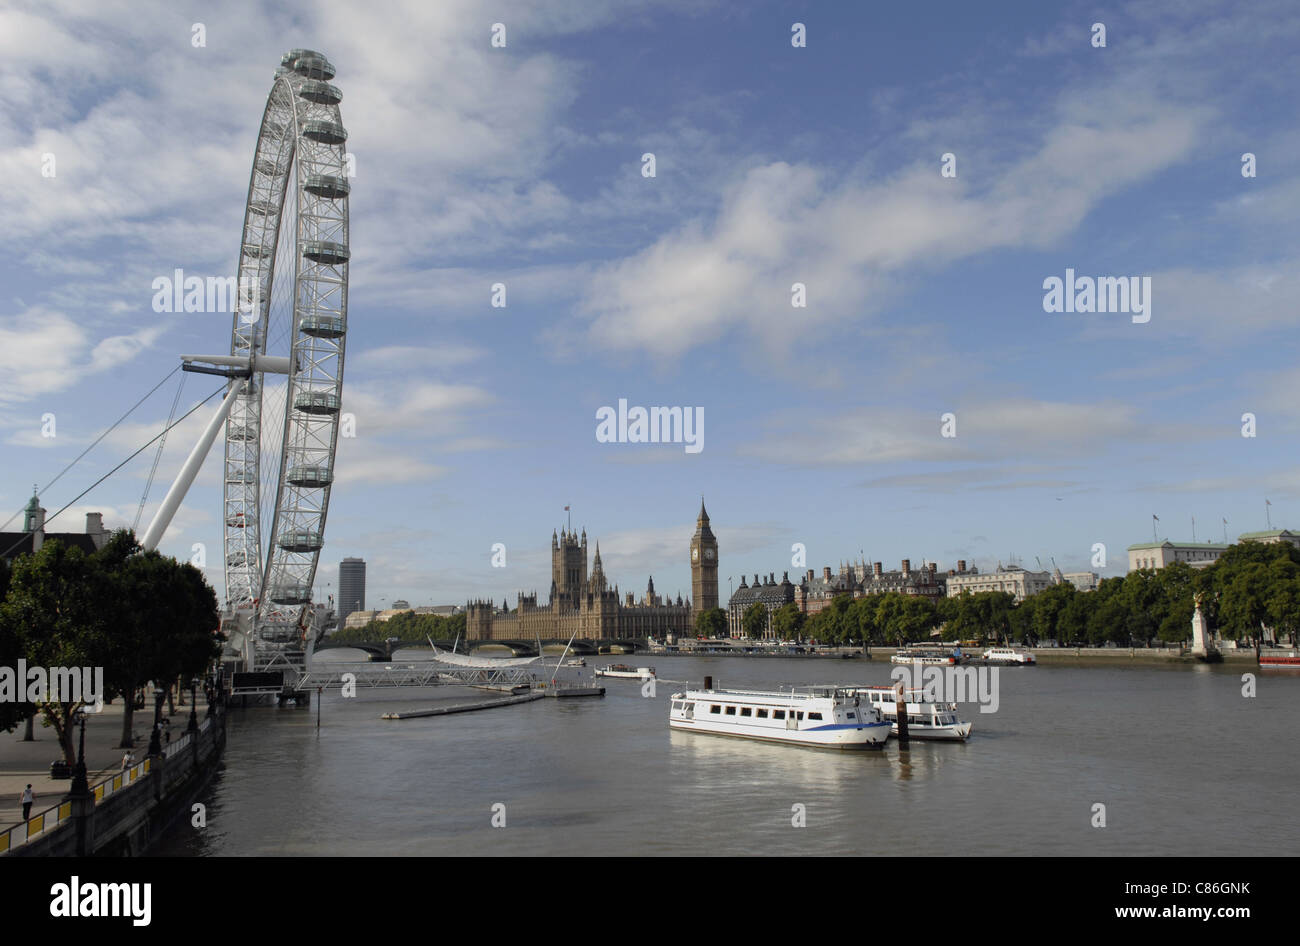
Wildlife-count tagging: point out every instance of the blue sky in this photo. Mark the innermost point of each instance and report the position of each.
(774, 165)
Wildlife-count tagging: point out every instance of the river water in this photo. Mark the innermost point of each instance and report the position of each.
(1181, 760)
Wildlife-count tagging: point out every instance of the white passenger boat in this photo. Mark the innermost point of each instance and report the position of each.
(925, 658)
(926, 719)
(821, 717)
(626, 672)
(1006, 655)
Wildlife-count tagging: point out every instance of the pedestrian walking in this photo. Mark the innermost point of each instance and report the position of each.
(28, 799)
(126, 761)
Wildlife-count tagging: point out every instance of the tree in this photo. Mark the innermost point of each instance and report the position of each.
(788, 622)
(1046, 609)
(161, 621)
(833, 625)
(861, 618)
(711, 623)
(54, 611)
(754, 620)
(12, 712)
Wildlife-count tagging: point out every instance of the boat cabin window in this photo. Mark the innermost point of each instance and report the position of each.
(731, 711)
(778, 714)
(799, 715)
(715, 708)
(852, 715)
(814, 715)
(762, 714)
(746, 711)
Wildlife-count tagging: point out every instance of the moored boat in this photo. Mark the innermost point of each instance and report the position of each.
(820, 717)
(925, 658)
(626, 672)
(1291, 660)
(926, 718)
(1008, 655)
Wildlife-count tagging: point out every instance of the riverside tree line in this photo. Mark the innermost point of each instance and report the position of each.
(142, 616)
(1252, 587)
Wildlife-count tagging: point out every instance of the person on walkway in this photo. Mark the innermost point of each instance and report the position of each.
(126, 761)
(28, 799)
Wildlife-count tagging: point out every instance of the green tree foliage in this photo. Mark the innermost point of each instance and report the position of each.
(407, 627)
(12, 713)
(754, 621)
(788, 622)
(53, 609)
(711, 623)
(1252, 585)
(139, 615)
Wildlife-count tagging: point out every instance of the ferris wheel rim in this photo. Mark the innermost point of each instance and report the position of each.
(300, 140)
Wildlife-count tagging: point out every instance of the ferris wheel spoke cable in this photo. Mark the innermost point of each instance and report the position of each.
(144, 497)
(142, 449)
(96, 441)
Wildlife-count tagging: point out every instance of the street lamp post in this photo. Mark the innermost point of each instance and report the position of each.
(80, 786)
(194, 716)
(155, 739)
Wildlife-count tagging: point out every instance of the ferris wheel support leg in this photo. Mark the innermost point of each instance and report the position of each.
(185, 478)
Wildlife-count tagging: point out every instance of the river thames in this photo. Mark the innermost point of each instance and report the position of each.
(1182, 761)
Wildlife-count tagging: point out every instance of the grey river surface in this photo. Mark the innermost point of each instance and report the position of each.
(1182, 761)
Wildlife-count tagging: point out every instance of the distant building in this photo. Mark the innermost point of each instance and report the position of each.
(589, 607)
(770, 593)
(1273, 535)
(352, 589)
(860, 580)
(401, 604)
(1082, 581)
(1010, 578)
(440, 610)
(1156, 555)
(33, 536)
(360, 618)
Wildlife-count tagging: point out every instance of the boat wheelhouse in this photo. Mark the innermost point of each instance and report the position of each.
(926, 718)
(820, 717)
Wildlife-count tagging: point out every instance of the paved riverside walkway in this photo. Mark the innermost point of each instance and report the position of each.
(22, 762)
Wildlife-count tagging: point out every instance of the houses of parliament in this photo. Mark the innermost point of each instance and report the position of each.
(588, 606)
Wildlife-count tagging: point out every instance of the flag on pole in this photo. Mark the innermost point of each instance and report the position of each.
(566, 508)
(1155, 517)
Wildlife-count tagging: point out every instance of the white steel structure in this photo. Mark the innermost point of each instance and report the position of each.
(286, 364)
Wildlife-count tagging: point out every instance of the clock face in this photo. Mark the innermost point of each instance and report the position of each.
(708, 553)
(695, 555)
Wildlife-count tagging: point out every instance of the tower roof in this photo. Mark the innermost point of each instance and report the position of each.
(704, 515)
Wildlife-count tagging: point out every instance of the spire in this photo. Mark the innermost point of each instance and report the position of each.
(650, 588)
(595, 565)
(704, 516)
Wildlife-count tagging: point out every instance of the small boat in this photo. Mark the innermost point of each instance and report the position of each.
(576, 662)
(819, 717)
(1006, 655)
(626, 672)
(926, 719)
(1291, 660)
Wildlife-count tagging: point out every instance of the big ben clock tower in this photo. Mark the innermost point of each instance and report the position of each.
(704, 566)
